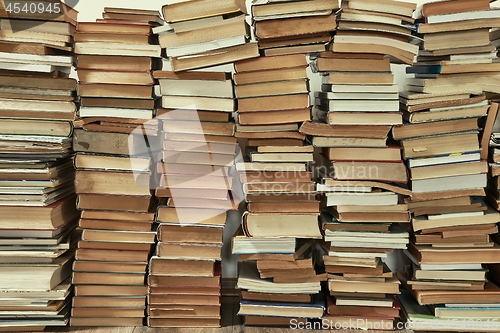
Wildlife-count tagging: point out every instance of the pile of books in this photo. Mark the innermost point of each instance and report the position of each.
(451, 222)
(205, 33)
(198, 152)
(37, 202)
(362, 206)
(377, 26)
(113, 168)
(278, 272)
(291, 26)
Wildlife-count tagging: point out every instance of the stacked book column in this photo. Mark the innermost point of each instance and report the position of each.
(38, 215)
(115, 59)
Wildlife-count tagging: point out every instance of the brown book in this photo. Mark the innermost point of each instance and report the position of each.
(360, 78)
(453, 6)
(357, 227)
(209, 76)
(114, 90)
(114, 225)
(225, 29)
(150, 18)
(433, 128)
(187, 281)
(199, 216)
(113, 246)
(273, 137)
(263, 104)
(111, 255)
(273, 117)
(354, 270)
(272, 88)
(185, 291)
(490, 294)
(339, 284)
(112, 183)
(189, 234)
(172, 267)
(118, 236)
(107, 143)
(209, 128)
(270, 75)
(270, 225)
(120, 63)
(183, 311)
(96, 290)
(457, 39)
(271, 63)
(108, 267)
(427, 254)
(363, 118)
(111, 302)
(109, 102)
(107, 312)
(115, 77)
(184, 322)
(488, 129)
(431, 146)
(202, 193)
(216, 57)
(358, 131)
(283, 298)
(108, 279)
(392, 153)
(351, 65)
(166, 299)
(464, 25)
(105, 322)
(111, 38)
(115, 215)
(199, 138)
(202, 115)
(188, 251)
(198, 9)
(115, 28)
(255, 142)
(448, 170)
(295, 26)
(386, 171)
(448, 194)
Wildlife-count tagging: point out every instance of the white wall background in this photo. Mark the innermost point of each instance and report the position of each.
(90, 10)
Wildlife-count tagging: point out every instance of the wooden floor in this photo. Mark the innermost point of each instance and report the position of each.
(230, 324)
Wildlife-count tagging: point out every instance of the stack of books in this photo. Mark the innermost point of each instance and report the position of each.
(377, 26)
(37, 203)
(451, 222)
(362, 179)
(198, 153)
(273, 97)
(205, 33)
(291, 26)
(362, 207)
(113, 168)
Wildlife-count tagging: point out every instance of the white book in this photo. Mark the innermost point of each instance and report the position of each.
(399, 246)
(133, 50)
(450, 159)
(356, 96)
(357, 254)
(206, 46)
(449, 183)
(202, 88)
(353, 88)
(40, 68)
(366, 199)
(116, 112)
(326, 188)
(465, 16)
(452, 215)
(56, 60)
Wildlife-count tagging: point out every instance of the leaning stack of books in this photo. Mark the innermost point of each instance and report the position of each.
(113, 168)
(277, 272)
(37, 202)
(291, 26)
(195, 187)
(357, 171)
(451, 223)
(377, 26)
(205, 33)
